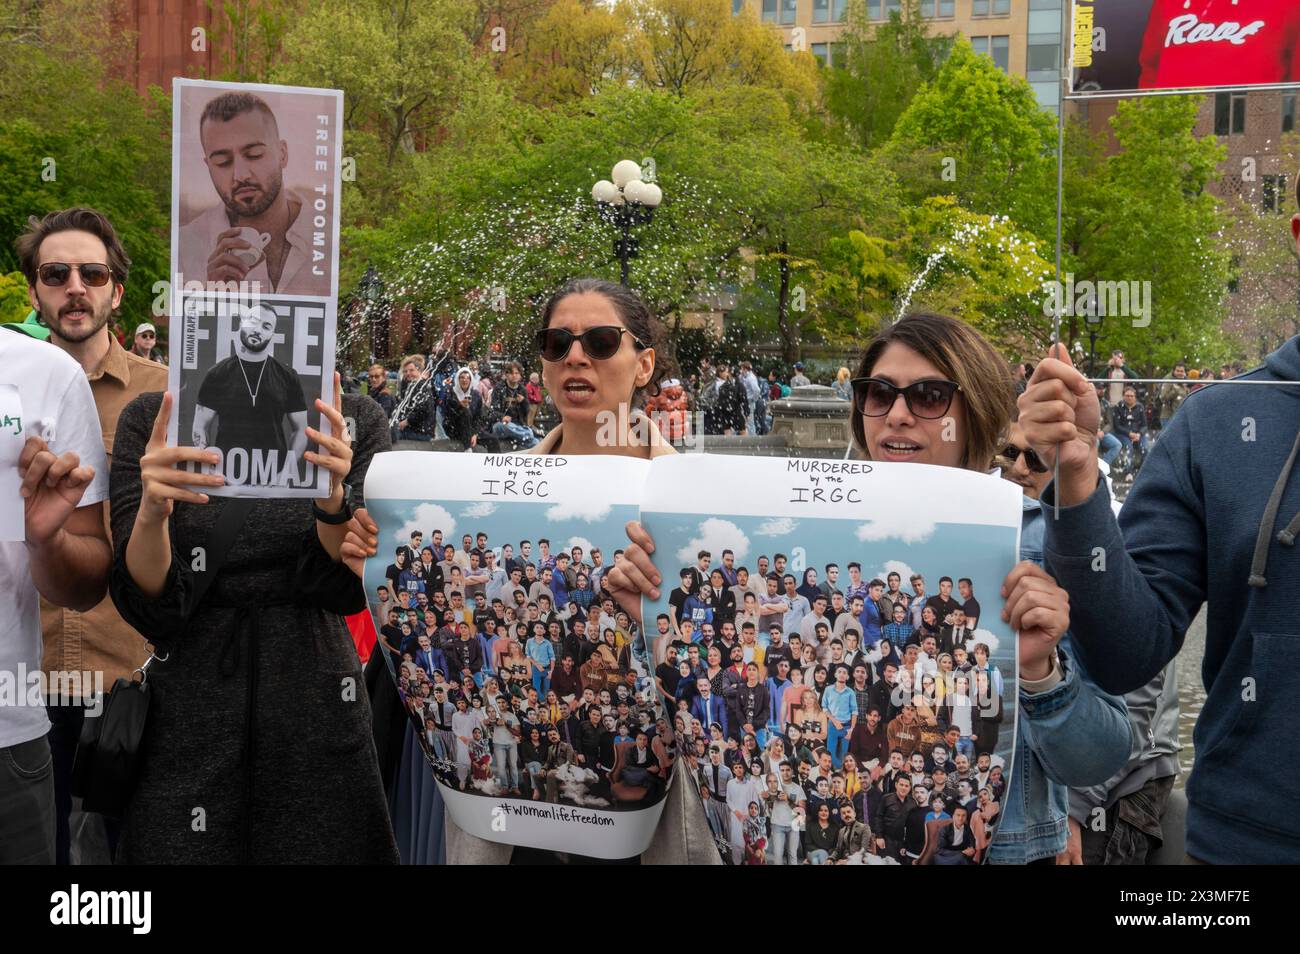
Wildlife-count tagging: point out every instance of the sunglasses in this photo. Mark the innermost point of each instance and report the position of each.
(56, 274)
(1035, 463)
(928, 400)
(600, 343)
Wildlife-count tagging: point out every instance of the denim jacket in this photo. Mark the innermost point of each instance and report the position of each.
(1071, 735)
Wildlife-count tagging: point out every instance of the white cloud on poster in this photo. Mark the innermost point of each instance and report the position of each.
(777, 527)
(985, 637)
(895, 566)
(482, 509)
(589, 510)
(580, 542)
(900, 525)
(428, 517)
(715, 535)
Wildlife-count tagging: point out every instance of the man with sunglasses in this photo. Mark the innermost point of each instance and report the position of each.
(1134, 799)
(77, 271)
(143, 341)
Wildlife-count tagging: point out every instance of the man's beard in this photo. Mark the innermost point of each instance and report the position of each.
(99, 318)
(254, 348)
(264, 200)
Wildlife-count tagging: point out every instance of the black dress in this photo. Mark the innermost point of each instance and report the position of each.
(258, 747)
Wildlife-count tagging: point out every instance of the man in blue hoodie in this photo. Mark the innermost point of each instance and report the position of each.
(1214, 500)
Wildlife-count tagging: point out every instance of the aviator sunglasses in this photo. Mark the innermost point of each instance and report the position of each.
(56, 274)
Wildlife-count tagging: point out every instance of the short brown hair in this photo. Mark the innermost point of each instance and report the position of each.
(80, 219)
(962, 354)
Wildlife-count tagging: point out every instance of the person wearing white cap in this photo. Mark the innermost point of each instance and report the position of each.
(144, 342)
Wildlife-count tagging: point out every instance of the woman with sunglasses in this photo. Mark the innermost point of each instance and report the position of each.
(917, 378)
(599, 363)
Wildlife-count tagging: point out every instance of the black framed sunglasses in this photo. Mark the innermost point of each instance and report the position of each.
(929, 400)
(56, 274)
(1011, 453)
(599, 343)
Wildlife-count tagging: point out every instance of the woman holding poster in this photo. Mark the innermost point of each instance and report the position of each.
(256, 750)
(598, 346)
(919, 382)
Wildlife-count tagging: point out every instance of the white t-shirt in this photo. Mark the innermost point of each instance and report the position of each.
(49, 392)
(501, 733)
(1115, 392)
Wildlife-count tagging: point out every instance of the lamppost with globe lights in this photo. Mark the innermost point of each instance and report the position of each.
(626, 201)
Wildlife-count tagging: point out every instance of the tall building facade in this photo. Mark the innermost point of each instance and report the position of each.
(172, 38)
(1022, 36)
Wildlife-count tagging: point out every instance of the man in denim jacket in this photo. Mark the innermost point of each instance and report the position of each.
(1070, 733)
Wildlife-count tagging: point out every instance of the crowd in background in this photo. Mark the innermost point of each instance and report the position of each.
(475, 404)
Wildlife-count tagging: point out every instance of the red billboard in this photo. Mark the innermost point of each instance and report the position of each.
(1131, 47)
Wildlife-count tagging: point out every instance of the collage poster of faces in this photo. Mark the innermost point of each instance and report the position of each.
(256, 172)
(831, 652)
(532, 693)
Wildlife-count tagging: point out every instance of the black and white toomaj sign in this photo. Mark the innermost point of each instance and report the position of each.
(246, 374)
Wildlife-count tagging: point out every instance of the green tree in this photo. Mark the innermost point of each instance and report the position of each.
(692, 45)
(250, 35)
(14, 303)
(91, 166)
(1146, 217)
(858, 279)
(982, 268)
(572, 49)
(404, 68)
(980, 135)
(1264, 307)
(878, 68)
(485, 244)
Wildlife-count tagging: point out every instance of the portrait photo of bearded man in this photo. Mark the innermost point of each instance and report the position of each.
(260, 232)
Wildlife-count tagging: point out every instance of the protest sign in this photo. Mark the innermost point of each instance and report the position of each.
(255, 234)
(847, 680)
(539, 733)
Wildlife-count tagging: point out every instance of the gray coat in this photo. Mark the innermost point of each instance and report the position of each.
(258, 747)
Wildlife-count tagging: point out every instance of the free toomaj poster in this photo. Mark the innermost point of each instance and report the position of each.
(542, 728)
(256, 171)
(1129, 47)
(822, 736)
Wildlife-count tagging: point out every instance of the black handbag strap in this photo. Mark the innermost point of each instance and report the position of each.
(229, 523)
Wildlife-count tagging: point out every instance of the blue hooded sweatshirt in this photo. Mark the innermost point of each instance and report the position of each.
(1212, 516)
